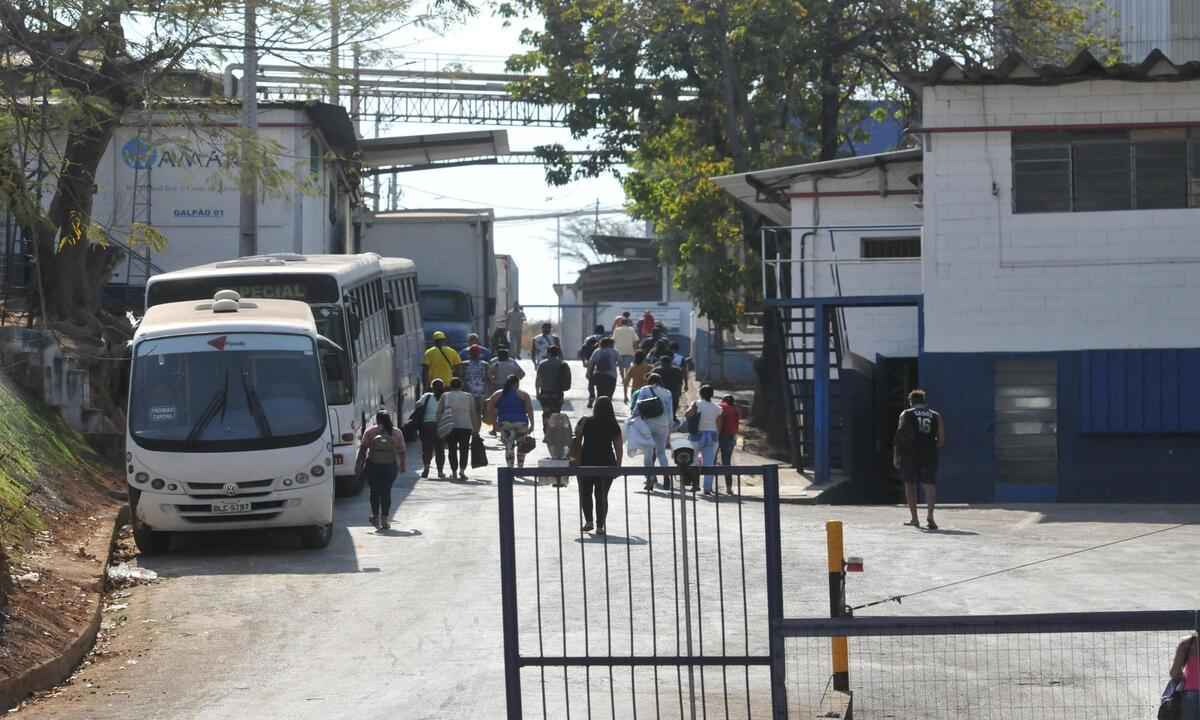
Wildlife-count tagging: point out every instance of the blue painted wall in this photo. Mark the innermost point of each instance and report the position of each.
(722, 368)
(1109, 466)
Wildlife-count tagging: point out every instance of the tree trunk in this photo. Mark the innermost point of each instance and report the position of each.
(831, 102)
(6, 585)
(72, 268)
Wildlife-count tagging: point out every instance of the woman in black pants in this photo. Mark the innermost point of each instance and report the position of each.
(600, 445)
(431, 445)
(381, 455)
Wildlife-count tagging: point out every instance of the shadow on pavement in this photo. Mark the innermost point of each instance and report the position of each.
(610, 540)
(253, 552)
(944, 531)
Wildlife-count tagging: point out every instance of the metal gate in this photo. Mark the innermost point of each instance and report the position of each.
(663, 616)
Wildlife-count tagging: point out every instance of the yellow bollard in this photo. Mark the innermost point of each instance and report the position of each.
(837, 602)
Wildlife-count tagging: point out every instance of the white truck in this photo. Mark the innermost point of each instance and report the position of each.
(508, 283)
(456, 264)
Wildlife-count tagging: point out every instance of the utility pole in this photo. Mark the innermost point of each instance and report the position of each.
(248, 216)
(335, 22)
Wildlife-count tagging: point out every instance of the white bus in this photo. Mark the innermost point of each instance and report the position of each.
(350, 305)
(401, 295)
(228, 425)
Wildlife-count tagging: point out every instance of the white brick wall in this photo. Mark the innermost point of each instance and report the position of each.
(870, 331)
(995, 281)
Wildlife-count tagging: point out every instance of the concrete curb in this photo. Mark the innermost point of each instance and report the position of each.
(51, 673)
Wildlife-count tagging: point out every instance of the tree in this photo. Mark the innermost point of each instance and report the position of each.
(680, 90)
(72, 69)
(575, 241)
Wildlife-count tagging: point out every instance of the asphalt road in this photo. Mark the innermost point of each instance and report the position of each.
(407, 624)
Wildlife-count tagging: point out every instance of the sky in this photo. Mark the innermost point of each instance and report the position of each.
(483, 44)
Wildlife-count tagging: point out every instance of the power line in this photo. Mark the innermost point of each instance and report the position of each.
(898, 598)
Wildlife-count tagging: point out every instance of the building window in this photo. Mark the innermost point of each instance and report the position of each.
(1091, 171)
(877, 248)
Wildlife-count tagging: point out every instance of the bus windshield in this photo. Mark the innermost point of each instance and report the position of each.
(339, 376)
(226, 392)
(445, 305)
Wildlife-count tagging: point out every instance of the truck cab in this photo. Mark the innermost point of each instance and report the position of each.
(450, 310)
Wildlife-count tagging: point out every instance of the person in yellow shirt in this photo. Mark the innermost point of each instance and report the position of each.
(440, 360)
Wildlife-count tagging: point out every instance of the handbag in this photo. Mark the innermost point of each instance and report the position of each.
(478, 453)
(693, 421)
(1171, 705)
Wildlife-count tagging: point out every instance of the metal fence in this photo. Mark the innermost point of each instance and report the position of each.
(662, 617)
(1098, 666)
(677, 612)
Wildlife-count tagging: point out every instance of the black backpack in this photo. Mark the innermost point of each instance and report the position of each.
(650, 407)
(588, 347)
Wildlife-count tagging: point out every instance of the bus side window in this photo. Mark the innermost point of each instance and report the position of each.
(396, 321)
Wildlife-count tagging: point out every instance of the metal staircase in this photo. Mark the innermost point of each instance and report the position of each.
(798, 332)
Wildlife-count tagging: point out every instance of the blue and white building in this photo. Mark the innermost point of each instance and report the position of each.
(1038, 259)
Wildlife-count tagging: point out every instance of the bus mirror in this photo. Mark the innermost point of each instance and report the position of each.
(325, 343)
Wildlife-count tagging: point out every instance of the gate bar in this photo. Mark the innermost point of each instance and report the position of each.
(508, 594)
(773, 537)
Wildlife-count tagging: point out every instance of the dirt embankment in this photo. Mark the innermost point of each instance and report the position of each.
(55, 495)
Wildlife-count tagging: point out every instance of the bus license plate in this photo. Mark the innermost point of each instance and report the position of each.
(225, 508)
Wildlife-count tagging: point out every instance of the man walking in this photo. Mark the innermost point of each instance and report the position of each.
(920, 434)
(516, 327)
(542, 344)
(646, 327)
(440, 361)
(503, 367)
(485, 353)
(672, 380)
(475, 382)
(604, 368)
(625, 341)
(585, 355)
(552, 382)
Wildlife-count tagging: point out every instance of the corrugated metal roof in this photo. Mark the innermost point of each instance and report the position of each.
(1016, 70)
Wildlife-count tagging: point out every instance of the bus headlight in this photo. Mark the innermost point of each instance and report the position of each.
(158, 483)
(301, 478)
(142, 478)
(316, 470)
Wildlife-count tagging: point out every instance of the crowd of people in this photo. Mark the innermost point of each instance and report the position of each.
(473, 386)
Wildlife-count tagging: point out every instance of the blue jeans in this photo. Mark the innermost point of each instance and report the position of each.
(1191, 705)
(705, 444)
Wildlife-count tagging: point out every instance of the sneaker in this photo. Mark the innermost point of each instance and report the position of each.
(385, 525)
(425, 474)
(441, 475)
(649, 486)
(462, 476)
(931, 524)
(587, 527)
(374, 520)
(600, 530)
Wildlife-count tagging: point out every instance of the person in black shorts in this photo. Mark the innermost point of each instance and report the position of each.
(920, 434)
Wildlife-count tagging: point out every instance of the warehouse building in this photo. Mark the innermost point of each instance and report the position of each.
(1051, 312)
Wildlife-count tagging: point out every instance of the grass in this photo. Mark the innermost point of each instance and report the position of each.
(38, 450)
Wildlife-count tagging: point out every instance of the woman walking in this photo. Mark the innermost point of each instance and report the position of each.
(427, 412)
(460, 406)
(510, 410)
(652, 403)
(599, 445)
(381, 455)
(704, 440)
(1186, 670)
(637, 374)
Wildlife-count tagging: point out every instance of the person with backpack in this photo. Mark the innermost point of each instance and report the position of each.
(637, 374)
(381, 455)
(510, 410)
(590, 344)
(1185, 672)
(552, 382)
(672, 379)
(702, 431)
(426, 414)
(653, 404)
(604, 368)
(727, 432)
(920, 434)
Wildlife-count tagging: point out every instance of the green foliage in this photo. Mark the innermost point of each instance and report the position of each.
(681, 90)
(35, 443)
(700, 228)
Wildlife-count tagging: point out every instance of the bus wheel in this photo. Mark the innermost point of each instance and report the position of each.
(150, 542)
(349, 486)
(316, 537)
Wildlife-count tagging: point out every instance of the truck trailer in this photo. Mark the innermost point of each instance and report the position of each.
(456, 264)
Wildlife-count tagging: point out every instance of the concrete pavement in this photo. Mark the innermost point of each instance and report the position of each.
(406, 624)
